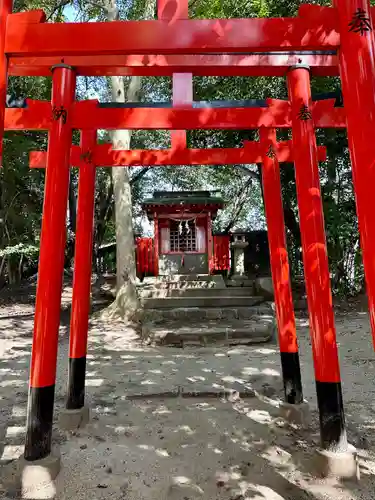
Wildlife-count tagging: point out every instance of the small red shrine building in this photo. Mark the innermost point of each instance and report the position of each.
(183, 240)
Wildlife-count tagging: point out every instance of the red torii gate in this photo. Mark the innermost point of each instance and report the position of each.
(268, 152)
(348, 28)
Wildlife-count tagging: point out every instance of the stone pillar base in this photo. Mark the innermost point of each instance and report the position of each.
(39, 474)
(70, 420)
(341, 465)
(296, 414)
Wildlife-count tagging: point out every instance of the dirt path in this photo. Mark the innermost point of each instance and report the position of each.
(183, 448)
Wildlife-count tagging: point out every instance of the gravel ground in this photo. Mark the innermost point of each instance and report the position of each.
(184, 448)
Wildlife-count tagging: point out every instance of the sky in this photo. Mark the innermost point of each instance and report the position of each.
(70, 13)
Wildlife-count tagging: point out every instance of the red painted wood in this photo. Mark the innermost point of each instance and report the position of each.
(315, 256)
(210, 248)
(29, 17)
(5, 11)
(221, 254)
(357, 71)
(182, 84)
(181, 37)
(176, 119)
(166, 65)
(37, 116)
(145, 256)
(53, 236)
(286, 322)
(79, 320)
(104, 155)
(87, 115)
(177, 211)
(156, 245)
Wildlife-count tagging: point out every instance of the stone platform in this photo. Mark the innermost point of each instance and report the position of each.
(179, 311)
(235, 332)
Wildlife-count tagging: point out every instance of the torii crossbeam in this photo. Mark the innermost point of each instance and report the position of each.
(103, 155)
(90, 115)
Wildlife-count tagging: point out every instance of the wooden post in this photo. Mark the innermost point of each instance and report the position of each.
(286, 323)
(356, 63)
(5, 9)
(210, 244)
(79, 322)
(315, 260)
(156, 244)
(51, 268)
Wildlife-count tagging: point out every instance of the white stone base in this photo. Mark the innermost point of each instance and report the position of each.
(39, 475)
(340, 465)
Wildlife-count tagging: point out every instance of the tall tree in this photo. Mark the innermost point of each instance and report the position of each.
(123, 90)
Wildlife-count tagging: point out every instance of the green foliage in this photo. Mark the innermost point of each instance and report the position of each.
(19, 250)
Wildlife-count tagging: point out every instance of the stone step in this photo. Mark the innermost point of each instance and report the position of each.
(185, 278)
(243, 283)
(180, 285)
(200, 302)
(191, 314)
(160, 293)
(213, 332)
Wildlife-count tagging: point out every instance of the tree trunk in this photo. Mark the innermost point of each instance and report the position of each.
(12, 271)
(127, 304)
(20, 269)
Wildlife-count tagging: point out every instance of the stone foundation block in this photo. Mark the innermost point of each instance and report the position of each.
(39, 475)
(337, 464)
(296, 414)
(70, 420)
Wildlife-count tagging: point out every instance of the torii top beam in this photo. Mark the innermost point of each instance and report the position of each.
(315, 28)
(205, 47)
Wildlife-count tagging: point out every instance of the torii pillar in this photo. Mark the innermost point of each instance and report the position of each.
(335, 456)
(38, 444)
(357, 70)
(76, 413)
(293, 408)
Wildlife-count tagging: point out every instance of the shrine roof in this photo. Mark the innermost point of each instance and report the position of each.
(169, 198)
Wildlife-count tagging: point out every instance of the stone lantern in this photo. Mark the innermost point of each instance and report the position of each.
(238, 245)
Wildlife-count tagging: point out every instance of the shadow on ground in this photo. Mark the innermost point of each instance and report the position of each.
(149, 438)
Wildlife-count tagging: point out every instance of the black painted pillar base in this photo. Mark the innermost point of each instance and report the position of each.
(76, 383)
(39, 423)
(291, 377)
(331, 416)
